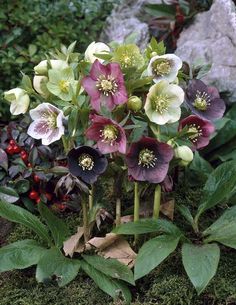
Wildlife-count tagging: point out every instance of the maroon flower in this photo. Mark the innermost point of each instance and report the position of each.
(105, 85)
(204, 101)
(198, 131)
(108, 134)
(148, 160)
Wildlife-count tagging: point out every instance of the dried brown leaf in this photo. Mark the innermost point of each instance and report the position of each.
(168, 208)
(71, 245)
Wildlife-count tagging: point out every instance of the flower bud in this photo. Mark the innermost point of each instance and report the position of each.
(42, 67)
(19, 100)
(185, 154)
(134, 103)
(93, 48)
(39, 83)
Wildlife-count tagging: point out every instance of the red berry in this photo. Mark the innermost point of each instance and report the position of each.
(16, 149)
(33, 195)
(48, 196)
(29, 165)
(36, 178)
(10, 150)
(24, 155)
(38, 200)
(12, 142)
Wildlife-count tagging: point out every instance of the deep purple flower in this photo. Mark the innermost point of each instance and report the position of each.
(204, 101)
(148, 160)
(198, 131)
(87, 163)
(105, 85)
(108, 134)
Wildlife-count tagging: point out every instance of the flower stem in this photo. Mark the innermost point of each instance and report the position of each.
(91, 197)
(157, 202)
(136, 207)
(85, 218)
(118, 212)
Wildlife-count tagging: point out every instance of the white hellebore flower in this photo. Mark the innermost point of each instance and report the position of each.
(163, 103)
(40, 85)
(184, 153)
(47, 123)
(43, 66)
(95, 48)
(19, 100)
(164, 67)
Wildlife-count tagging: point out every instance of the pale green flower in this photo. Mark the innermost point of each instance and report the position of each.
(128, 56)
(62, 83)
(19, 100)
(40, 85)
(163, 103)
(44, 65)
(184, 153)
(95, 48)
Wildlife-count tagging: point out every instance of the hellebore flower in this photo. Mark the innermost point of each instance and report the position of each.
(148, 160)
(105, 85)
(62, 83)
(95, 48)
(86, 163)
(108, 134)
(204, 101)
(198, 131)
(184, 153)
(47, 123)
(40, 85)
(163, 103)
(128, 56)
(134, 103)
(19, 100)
(164, 67)
(44, 65)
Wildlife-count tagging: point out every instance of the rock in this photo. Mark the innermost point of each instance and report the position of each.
(212, 37)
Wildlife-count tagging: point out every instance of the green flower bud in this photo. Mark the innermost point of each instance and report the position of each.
(185, 154)
(134, 103)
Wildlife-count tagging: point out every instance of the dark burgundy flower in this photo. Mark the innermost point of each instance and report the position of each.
(148, 160)
(87, 163)
(198, 130)
(204, 101)
(105, 85)
(108, 134)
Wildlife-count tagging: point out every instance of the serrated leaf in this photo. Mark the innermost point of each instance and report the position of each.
(200, 263)
(8, 194)
(152, 253)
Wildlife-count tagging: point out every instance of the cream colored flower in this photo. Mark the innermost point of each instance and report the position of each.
(184, 153)
(19, 100)
(163, 103)
(40, 85)
(95, 48)
(44, 65)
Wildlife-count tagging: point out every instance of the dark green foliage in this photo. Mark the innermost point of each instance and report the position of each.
(29, 29)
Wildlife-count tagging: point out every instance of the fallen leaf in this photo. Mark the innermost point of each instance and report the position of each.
(102, 242)
(168, 208)
(71, 244)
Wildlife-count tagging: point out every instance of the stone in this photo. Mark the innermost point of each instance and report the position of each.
(212, 38)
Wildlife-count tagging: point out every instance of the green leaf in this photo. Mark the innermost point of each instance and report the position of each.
(3, 159)
(73, 121)
(161, 10)
(223, 230)
(152, 253)
(185, 212)
(144, 226)
(138, 83)
(8, 194)
(27, 84)
(22, 186)
(110, 267)
(110, 286)
(20, 255)
(220, 186)
(19, 215)
(53, 264)
(200, 263)
(201, 165)
(58, 228)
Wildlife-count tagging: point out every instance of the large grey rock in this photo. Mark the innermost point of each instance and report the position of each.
(212, 37)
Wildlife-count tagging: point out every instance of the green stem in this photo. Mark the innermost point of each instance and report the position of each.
(157, 202)
(118, 212)
(158, 132)
(91, 198)
(85, 219)
(136, 202)
(64, 142)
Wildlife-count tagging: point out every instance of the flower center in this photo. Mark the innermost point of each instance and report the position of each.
(202, 101)
(86, 162)
(195, 132)
(161, 67)
(147, 158)
(109, 134)
(64, 86)
(160, 103)
(106, 84)
(51, 119)
(127, 60)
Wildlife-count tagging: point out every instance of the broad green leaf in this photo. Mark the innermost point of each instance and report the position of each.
(138, 83)
(8, 194)
(17, 214)
(148, 226)
(110, 267)
(160, 10)
(3, 159)
(57, 226)
(200, 263)
(223, 230)
(20, 255)
(185, 212)
(22, 186)
(152, 253)
(201, 165)
(53, 264)
(220, 185)
(110, 286)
